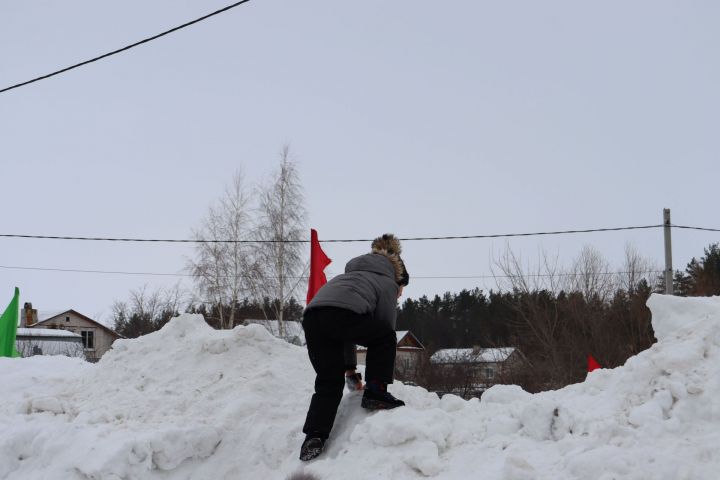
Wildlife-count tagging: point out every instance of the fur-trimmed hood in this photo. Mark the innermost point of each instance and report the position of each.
(389, 246)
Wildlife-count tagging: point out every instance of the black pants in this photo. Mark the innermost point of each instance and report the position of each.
(327, 329)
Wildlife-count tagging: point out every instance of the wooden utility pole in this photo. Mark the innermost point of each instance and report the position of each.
(668, 253)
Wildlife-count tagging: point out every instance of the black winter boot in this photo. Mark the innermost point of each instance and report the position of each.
(376, 397)
(311, 447)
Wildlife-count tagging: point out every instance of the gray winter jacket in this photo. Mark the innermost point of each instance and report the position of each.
(367, 286)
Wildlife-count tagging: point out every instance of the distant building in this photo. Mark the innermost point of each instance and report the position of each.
(294, 332)
(408, 357)
(96, 338)
(470, 371)
(45, 341)
(488, 362)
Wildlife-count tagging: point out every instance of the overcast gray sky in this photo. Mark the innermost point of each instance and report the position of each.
(416, 117)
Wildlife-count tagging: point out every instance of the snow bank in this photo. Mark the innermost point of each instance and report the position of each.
(191, 402)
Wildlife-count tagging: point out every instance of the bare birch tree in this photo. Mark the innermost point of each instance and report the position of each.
(515, 275)
(591, 275)
(635, 268)
(280, 259)
(222, 269)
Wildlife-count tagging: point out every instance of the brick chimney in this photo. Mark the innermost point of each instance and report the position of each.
(28, 316)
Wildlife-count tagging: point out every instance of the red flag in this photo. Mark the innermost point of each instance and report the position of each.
(592, 364)
(318, 262)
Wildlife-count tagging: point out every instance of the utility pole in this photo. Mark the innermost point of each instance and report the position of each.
(668, 253)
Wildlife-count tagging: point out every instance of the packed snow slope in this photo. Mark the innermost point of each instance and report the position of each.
(190, 402)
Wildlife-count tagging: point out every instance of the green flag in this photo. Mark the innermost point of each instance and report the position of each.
(8, 328)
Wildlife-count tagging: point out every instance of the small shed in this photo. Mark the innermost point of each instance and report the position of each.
(41, 341)
(468, 372)
(487, 363)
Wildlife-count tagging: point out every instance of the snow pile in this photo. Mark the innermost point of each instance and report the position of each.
(191, 402)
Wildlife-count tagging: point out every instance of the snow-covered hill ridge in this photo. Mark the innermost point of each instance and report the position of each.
(190, 402)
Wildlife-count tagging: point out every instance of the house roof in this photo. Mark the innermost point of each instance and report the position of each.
(45, 332)
(43, 315)
(51, 315)
(469, 355)
(408, 335)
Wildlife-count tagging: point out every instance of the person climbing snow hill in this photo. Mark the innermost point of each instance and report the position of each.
(356, 307)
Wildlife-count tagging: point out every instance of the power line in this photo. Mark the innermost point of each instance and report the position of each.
(115, 272)
(416, 277)
(128, 47)
(696, 228)
(409, 239)
(533, 275)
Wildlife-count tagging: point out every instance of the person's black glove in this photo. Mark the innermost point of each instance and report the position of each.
(354, 382)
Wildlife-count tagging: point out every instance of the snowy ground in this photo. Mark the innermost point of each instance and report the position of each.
(189, 402)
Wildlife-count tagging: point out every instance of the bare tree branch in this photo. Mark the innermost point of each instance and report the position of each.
(221, 270)
(279, 265)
